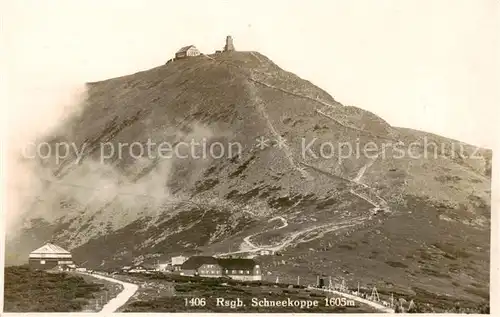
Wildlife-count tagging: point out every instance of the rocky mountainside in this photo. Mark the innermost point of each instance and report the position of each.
(406, 210)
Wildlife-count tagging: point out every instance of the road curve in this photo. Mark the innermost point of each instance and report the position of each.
(254, 246)
(285, 223)
(128, 291)
(288, 240)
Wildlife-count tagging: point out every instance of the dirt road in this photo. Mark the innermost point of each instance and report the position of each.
(114, 304)
(292, 237)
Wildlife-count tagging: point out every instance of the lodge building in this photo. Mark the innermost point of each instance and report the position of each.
(50, 256)
(186, 51)
(207, 266)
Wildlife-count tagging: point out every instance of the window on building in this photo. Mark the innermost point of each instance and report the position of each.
(42, 261)
(248, 272)
(218, 272)
(227, 271)
(233, 271)
(241, 271)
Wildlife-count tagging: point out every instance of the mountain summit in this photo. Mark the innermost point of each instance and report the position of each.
(245, 157)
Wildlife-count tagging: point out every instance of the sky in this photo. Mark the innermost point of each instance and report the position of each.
(428, 65)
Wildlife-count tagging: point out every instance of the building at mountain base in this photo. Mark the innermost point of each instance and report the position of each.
(51, 256)
(207, 266)
(241, 269)
(138, 269)
(177, 262)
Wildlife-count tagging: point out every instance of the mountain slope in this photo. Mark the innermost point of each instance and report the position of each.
(376, 214)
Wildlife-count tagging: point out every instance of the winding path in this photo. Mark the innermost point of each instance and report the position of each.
(285, 223)
(254, 246)
(291, 238)
(114, 304)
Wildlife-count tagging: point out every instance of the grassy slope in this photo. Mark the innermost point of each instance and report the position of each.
(200, 98)
(38, 291)
(412, 255)
(174, 290)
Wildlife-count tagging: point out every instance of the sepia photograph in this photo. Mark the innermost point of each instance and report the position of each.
(249, 156)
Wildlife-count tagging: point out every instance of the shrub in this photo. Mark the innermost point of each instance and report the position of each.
(28, 290)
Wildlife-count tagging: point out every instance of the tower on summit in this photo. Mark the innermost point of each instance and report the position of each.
(229, 44)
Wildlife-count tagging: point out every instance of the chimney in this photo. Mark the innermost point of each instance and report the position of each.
(229, 44)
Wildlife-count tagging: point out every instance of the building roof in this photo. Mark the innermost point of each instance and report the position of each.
(237, 264)
(148, 265)
(185, 48)
(179, 256)
(50, 250)
(138, 267)
(196, 261)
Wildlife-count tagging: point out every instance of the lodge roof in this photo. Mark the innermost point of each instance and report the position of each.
(195, 262)
(237, 264)
(50, 248)
(185, 49)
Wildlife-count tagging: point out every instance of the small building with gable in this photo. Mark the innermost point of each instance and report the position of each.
(187, 51)
(177, 262)
(50, 256)
(201, 266)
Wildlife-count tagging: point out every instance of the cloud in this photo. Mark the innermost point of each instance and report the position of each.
(35, 109)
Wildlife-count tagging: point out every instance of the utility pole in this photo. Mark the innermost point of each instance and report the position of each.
(411, 306)
(358, 288)
(343, 287)
(392, 300)
(374, 295)
(298, 280)
(277, 279)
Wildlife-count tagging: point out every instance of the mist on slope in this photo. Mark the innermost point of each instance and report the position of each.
(91, 185)
(34, 110)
